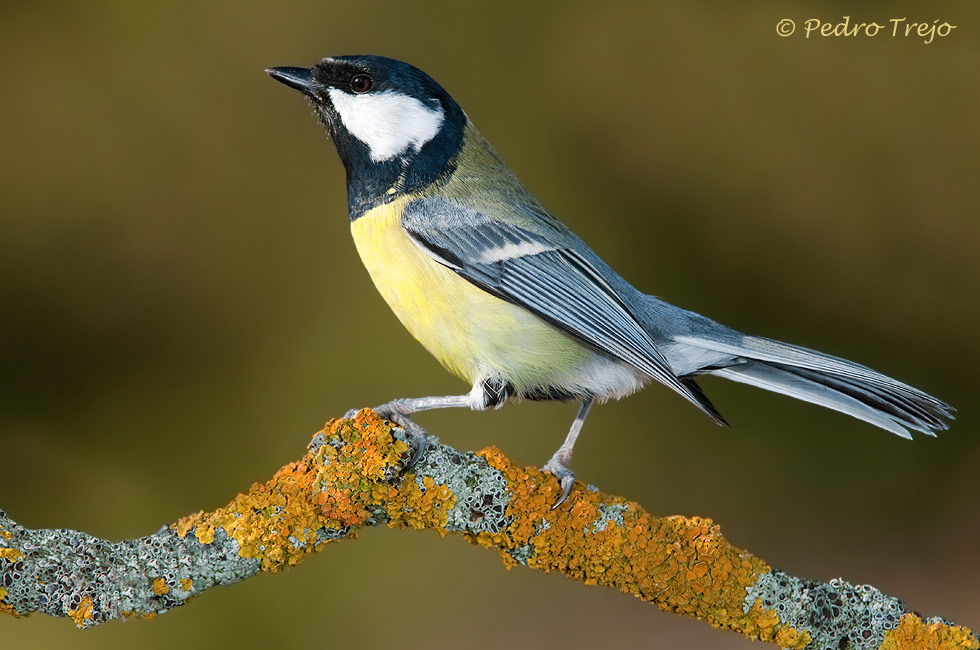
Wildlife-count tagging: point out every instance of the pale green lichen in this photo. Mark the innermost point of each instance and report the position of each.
(68, 573)
(835, 614)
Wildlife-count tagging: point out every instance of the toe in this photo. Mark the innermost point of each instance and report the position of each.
(566, 487)
(418, 439)
(566, 479)
(421, 442)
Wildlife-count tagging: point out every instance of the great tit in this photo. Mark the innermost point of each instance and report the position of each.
(506, 297)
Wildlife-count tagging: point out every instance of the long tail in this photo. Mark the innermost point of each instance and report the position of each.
(825, 380)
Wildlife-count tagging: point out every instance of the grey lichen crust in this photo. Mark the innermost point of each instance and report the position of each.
(481, 491)
(836, 614)
(62, 571)
(609, 512)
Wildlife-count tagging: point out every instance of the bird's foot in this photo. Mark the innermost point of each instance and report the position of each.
(397, 412)
(565, 476)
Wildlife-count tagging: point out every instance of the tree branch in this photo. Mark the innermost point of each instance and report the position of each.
(350, 477)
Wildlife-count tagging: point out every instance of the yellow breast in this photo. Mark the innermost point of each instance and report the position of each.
(472, 333)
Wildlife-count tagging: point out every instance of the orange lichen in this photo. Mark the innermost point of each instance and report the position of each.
(763, 624)
(787, 637)
(187, 584)
(353, 477)
(412, 508)
(81, 613)
(334, 487)
(914, 633)
(7, 608)
(681, 564)
(160, 587)
(10, 554)
(6, 534)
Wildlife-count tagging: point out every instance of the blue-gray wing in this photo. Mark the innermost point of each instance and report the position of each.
(541, 272)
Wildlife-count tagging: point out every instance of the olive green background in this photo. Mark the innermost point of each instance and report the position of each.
(183, 307)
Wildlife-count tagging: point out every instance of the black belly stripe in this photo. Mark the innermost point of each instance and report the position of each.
(496, 391)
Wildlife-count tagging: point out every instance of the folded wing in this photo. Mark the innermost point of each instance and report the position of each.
(535, 271)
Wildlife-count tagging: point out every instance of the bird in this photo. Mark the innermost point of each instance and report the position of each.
(510, 300)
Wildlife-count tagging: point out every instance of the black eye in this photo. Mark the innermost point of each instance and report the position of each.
(361, 83)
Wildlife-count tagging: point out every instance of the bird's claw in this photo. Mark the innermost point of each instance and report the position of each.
(565, 476)
(417, 434)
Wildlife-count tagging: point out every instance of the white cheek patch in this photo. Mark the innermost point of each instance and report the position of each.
(387, 122)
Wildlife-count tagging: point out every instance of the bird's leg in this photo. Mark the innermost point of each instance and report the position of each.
(400, 411)
(558, 465)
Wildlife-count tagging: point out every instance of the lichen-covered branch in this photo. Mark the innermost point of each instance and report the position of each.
(352, 476)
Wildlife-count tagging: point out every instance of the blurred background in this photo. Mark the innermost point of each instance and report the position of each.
(182, 304)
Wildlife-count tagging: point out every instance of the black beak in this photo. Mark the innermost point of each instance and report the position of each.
(299, 78)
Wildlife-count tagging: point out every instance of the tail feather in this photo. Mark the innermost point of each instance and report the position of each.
(780, 381)
(828, 381)
(893, 403)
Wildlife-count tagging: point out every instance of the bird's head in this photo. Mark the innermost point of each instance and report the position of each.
(390, 121)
